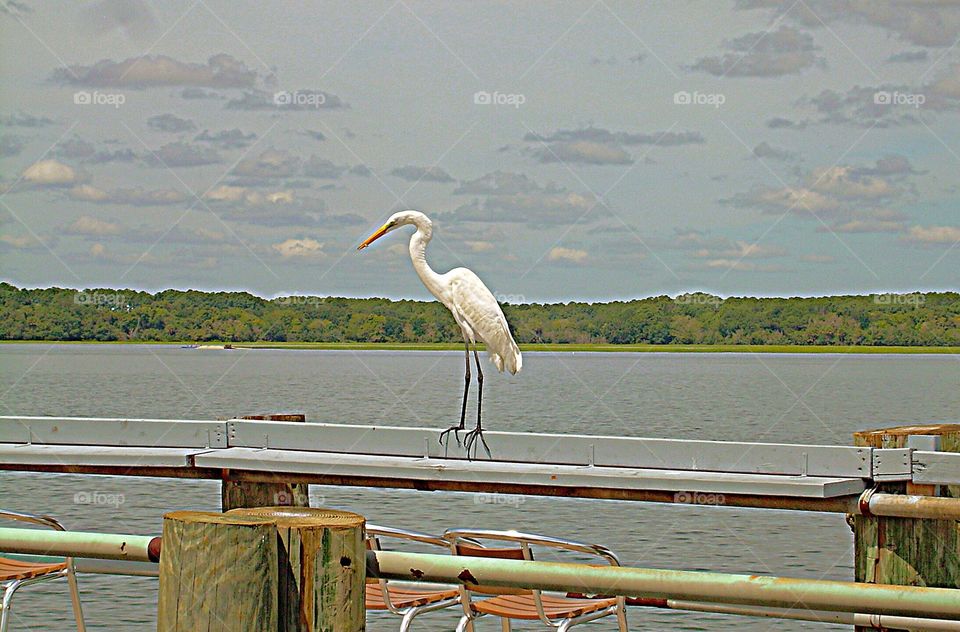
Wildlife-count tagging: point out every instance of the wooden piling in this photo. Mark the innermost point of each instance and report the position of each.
(236, 494)
(908, 551)
(262, 570)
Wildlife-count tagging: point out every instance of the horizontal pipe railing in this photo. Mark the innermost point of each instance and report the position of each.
(872, 621)
(754, 590)
(645, 583)
(103, 546)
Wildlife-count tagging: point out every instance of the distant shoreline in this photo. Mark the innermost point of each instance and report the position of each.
(545, 347)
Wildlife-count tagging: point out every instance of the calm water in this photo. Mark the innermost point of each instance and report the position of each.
(788, 398)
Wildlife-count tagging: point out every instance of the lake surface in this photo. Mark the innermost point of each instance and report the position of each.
(744, 397)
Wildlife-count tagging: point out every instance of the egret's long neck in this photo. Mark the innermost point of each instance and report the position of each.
(418, 254)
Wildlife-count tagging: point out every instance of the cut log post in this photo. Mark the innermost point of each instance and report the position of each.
(262, 570)
(237, 494)
(908, 551)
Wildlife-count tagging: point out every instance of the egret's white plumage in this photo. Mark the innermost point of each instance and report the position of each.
(473, 307)
(462, 292)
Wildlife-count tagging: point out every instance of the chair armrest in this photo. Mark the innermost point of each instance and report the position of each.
(415, 536)
(45, 521)
(453, 535)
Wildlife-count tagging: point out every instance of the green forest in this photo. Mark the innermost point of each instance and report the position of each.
(931, 319)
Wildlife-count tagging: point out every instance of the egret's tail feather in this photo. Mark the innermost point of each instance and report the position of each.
(509, 358)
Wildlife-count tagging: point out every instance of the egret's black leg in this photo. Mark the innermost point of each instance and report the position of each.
(471, 437)
(463, 408)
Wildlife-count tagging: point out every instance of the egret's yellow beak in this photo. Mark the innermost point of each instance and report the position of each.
(372, 238)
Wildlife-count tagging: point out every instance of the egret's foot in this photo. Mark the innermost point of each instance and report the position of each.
(456, 433)
(470, 442)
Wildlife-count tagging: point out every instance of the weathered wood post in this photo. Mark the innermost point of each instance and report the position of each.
(262, 570)
(908, 551)
(235, 494)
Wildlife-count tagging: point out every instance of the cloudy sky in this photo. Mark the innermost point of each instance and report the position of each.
(570, 150)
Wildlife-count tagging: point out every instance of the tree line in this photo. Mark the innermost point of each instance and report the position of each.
(192, 316)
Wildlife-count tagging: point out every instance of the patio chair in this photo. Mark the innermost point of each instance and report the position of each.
(406, 601)
(15, 574)
(560, 612)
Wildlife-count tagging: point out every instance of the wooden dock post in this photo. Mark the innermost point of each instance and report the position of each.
(237, 494)
(908, 551)
(262, 570)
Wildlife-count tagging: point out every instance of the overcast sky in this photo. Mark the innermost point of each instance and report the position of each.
(571, 150)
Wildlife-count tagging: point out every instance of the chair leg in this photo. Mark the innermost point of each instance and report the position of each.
(7, 604)
(75, 598)
(464, 625)
(407, 620)
(622, 619)
(505, 624)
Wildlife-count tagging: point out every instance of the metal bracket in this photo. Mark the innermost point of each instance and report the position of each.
(892, 464)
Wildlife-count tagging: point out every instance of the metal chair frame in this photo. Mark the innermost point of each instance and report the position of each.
(374, 533)
(525, 540)
(68, 571)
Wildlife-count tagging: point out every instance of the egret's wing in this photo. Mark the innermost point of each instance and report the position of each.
(480, 309)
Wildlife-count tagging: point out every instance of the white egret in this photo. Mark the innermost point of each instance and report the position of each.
(473, 307)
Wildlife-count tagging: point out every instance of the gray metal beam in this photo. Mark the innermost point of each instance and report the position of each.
(153, 433)
(937, 468)
(96, 456)
(492, 473)
(636, 452)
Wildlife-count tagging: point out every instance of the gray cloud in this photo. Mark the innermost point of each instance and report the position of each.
(270, 164)
(766, 150)
(116, 155)
(314, 134)
(917, 21)
(277, 208)
(907, 57)
(274, 164)
(23, 119)
(74, 148)
(890, 165)
(764, 54)
(778, 122)
(502, 183)
(323, 169)
(412, 173)
(220, 71)
(170, 123)
(600, 135)
(584, 152)
(180, 154)
(136, 196)
(515, 198)
(227, 139)
(598, 146)
(15, 8)
(199, 93)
